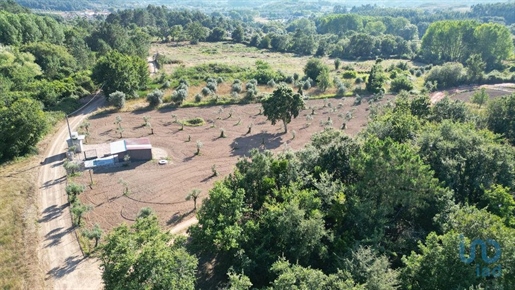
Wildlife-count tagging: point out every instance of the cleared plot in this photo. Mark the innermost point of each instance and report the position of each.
(165, 187)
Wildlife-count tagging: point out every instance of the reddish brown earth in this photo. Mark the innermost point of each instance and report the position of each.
(164, 187)
(464, 93)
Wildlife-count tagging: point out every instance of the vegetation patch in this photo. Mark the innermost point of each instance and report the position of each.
(195, 122)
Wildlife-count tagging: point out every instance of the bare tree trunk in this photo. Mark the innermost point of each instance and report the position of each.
(285, 126)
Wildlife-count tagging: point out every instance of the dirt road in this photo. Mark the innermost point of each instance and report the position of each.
(59, 251)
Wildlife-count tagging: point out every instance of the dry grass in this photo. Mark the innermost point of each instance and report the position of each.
(19, 267)
(239, 55)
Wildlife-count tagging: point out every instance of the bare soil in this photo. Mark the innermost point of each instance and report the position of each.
(464, 93)
(164, 187)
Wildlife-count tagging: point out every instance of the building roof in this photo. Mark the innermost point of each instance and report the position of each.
(138, 144)
(118, 147)
(130, 144)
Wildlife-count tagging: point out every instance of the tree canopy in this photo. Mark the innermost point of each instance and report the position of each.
(120, 72)
(282, 105)
(143, 256)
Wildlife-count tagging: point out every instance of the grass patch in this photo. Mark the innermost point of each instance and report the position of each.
(85, 243)
(195, 122)
(18, 225)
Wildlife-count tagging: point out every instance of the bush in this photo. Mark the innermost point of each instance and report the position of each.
(179, 96)
(359, 81)
(183, 81)
(236, 88)
(236, 81)
(306, 85)
(271, 83)
(393, 74)
(219, 80)
(401, 83)
(117, 99)
(495, 77)
(250, 96)
(198, 98)
(288, 80)
(206, 91)
(155, 98)
(166, 85)
(450, 74)
(341, 90)
(212, 86)
(418, 73)
(349, 74)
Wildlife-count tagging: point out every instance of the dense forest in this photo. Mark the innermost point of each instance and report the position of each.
(387, 209)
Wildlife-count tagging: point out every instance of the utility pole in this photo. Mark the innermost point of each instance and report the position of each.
(69, 129)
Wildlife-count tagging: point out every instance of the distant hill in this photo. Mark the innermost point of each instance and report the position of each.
(75, 5)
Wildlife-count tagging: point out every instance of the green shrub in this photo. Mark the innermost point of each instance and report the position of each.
(155, 98)
(195, 122)
(349, 74)
(117, 99)
(401, 83)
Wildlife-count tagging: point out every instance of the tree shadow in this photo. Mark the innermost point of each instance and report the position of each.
(70, 264)
(52, 212)
(102, 114)
(143, 110)
(178, 217)
(53, 158)
(242, 145)
(55, 236)
(50, 183)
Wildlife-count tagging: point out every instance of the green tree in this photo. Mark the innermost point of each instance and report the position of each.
(238, 34)
(73, 189)
(95, 233)
(18, 67)
(370, 269)
(501, 117)
(337, 63)
(217, 34)
(314, 67)
(282, 105)
(55, 60)
(144, 255)
(323, 80)
(298, 277)
(376, 79)
(78, 209)
(475, 67)
(448, 41)
(480, 97)
(193, 195)
(437, 265)
(467, 160)
(176, 32)
(120, 72)
(494, 42)
(196, 32)
(22, 124)
(117, 99)
(499, 201)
